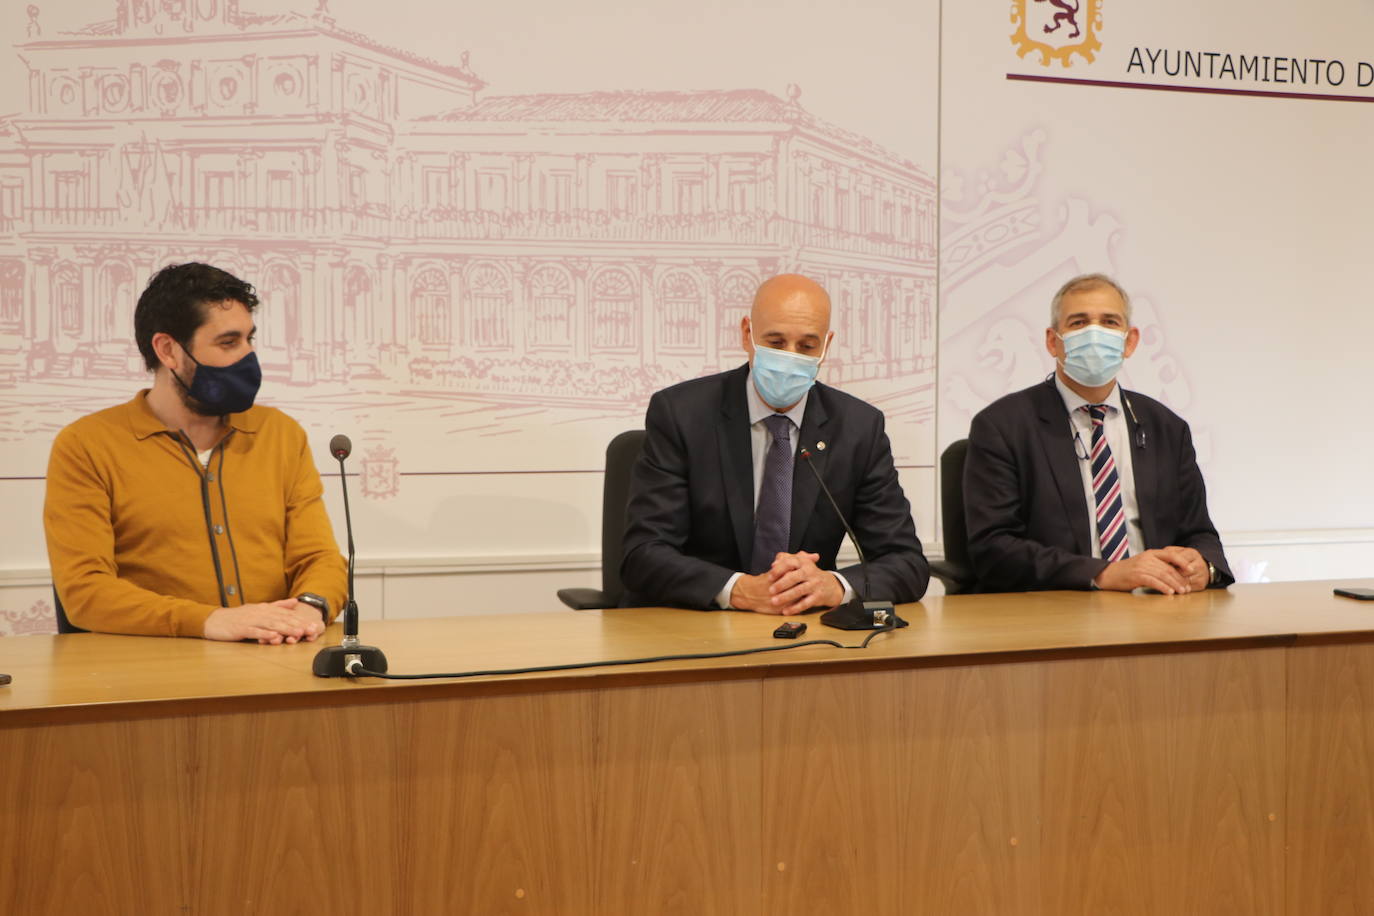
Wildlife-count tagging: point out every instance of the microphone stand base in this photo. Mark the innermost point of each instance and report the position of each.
(333, 661)
(862, 615)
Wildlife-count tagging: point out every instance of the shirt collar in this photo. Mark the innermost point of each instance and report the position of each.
(759, 409)
(1073, 401)
(145, 423)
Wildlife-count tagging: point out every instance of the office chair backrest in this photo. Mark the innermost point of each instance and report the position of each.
(952, 505)
(621, 455)
(63, 624)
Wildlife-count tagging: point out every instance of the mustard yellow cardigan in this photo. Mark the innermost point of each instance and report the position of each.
(143, 540)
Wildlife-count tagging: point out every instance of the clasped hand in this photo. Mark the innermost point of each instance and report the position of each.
(272, 623)
(1170, 570)
(793, 584)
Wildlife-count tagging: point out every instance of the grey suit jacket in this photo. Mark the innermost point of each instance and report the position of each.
(1027, 514)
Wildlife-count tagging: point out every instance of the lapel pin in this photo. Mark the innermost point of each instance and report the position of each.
(820, 446)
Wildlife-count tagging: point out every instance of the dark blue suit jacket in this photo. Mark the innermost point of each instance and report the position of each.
(1024, 503)
(690, 516)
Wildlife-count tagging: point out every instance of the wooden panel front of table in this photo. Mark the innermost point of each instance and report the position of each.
(1006, 754)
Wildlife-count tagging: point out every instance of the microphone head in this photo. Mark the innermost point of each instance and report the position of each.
(340, 446)
(805, 452)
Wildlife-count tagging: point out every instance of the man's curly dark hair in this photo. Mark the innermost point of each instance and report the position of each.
(175, 301)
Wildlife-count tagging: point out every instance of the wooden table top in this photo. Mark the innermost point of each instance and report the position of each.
(91, 676)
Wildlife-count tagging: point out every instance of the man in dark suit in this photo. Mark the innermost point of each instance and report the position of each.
(1075, 483)
(721, 513)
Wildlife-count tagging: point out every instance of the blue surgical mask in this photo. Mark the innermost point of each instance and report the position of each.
(781, 377)
(218, 390)
(1093, 355)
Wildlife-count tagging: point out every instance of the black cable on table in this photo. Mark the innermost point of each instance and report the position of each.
(536, 669)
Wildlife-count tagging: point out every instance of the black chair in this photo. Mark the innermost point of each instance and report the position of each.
(621, 455)
(63, 624)
(956, 569)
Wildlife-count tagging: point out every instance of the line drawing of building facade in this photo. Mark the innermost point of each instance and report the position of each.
(409, 232)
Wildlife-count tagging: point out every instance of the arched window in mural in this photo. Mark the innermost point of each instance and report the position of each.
(66, 297)
(429, 303)
(736, 296)
(279, 321)
(615, 303)
(682, 309)
(357, 305)
(491, 306)
(907, 323)
(868, 318)
(116, 303)
(551, 304)
(11, 295)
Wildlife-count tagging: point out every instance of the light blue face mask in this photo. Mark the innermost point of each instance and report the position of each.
(1093, 355)
(781, 377)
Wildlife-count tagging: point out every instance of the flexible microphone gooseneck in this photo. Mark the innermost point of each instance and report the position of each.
(340, 447)
(349, 658)
(857, 614)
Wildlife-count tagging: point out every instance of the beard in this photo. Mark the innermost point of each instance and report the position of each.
(184, 392)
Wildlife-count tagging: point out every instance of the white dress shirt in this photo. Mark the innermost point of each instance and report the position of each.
(758, 441)
(1119, 441)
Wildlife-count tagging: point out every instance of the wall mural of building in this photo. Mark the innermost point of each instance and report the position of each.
(415, 234)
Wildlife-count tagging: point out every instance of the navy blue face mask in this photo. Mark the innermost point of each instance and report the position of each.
(218, 390)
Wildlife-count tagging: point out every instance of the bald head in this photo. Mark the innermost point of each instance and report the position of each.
(790, 312)
(794, 294)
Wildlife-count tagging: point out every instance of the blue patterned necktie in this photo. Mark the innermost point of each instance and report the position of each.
(773, 514)
(1111, 514)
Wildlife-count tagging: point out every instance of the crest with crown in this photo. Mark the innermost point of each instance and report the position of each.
(38, 620)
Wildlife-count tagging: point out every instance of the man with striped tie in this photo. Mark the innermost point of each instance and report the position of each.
(1076, 483)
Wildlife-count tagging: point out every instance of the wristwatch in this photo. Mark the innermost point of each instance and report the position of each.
(318, 603)
(1212, 574)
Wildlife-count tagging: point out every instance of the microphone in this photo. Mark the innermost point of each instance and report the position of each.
(857, 614)
(350, 655)
(1139, 430)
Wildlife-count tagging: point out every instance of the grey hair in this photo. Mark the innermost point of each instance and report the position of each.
(1082, 283)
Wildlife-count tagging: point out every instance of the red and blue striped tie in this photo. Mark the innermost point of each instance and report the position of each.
(1111, 513)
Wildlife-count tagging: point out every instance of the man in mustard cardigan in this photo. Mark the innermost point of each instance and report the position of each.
(188, 511)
